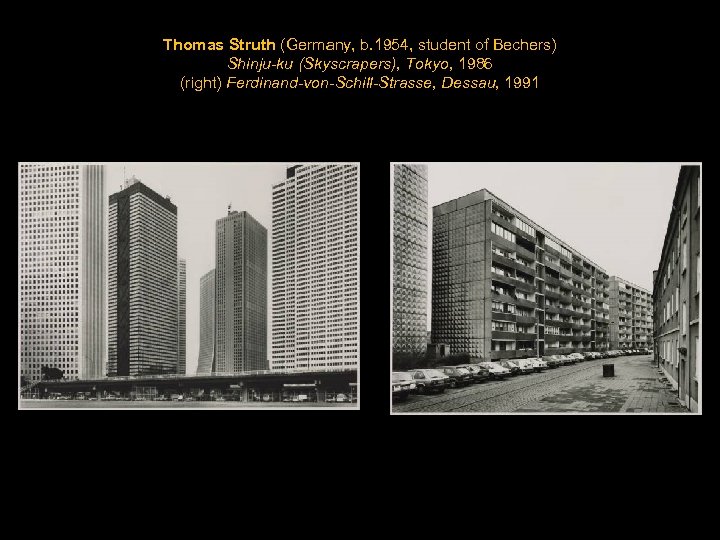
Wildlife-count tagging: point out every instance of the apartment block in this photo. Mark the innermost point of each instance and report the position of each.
(62, 263)
(631, 320)
(676, 291)
(316, 267)
(410, 253)
(505, 287)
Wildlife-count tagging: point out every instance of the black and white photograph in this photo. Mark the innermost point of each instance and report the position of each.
(545, 288)
(188, 285)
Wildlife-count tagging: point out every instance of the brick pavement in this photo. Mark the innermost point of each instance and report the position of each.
(636, 388)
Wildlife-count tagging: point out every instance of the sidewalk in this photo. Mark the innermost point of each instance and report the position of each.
(636, 388)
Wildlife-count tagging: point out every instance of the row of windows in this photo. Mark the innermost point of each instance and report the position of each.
(502, 232)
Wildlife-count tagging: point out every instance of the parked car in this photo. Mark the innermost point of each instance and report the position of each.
(429, 380)
(512, 365)
(525, 365)
(565, 359)
(552, 361)
(458, 376)
(478, 372)
(496, 370)
(577, 356)
(538, 364)
(403, 385)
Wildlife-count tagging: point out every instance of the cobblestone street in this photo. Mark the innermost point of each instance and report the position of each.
(579, 388)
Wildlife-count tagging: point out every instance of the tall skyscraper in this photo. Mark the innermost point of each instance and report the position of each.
(240, 294)
(316, 268)
(181, 316)
(61, 215)
(410, 222)
(206, 356)
(142, 282)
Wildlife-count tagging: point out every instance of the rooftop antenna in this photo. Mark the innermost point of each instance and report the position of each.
(229, 208)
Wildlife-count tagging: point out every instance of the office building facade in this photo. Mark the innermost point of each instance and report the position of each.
(240, 294)
(631, 320)
(410, 253)
(142, 282)
(504, 287)
(676, 292)
(316, 268)
(62, 261)
(206, 354)
(182, 267)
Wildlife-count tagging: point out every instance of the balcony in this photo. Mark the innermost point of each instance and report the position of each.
(497, 297)
(566, 272)
(524, 252)
(522, 319)
(552, 294)
(525, 303)
(551, 250)
(508, 280)
(500, 334)
(561, 324)
(552, 281)
(525, 287)
(498, 316)
(507, 261)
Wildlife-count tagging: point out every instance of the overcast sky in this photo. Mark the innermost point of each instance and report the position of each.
(616, 214)
(202, 192)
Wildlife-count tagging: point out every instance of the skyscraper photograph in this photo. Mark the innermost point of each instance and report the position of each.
(164, 285)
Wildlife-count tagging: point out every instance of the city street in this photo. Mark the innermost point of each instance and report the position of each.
(574, 388)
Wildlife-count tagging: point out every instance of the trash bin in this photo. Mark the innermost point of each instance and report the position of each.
(608, 370)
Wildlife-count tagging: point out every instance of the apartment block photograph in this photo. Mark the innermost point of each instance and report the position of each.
(188, 285)
(530, 288)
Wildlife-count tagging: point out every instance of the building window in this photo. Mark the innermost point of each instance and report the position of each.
(698, 277)
(524, 227)
(684, 318)
(697, 357)
(502, 232)
(503, 326)
(503, 345)
(684, 255)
